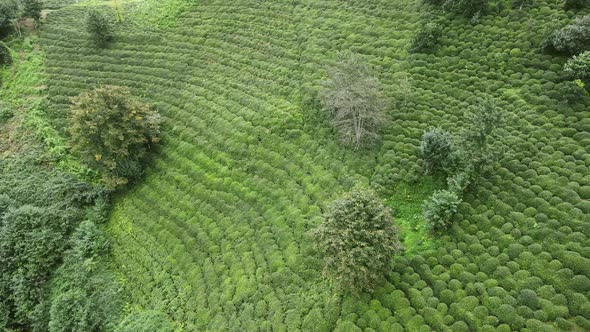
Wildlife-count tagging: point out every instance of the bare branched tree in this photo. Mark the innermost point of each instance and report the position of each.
(355, 99)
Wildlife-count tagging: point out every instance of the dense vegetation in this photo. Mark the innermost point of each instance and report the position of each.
(482, 156)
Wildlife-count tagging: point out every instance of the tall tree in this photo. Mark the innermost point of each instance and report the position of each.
(354, 98)
(112, 132)
(358, 239)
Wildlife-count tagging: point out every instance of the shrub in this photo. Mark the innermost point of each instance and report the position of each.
(111, 129)
(5, 57)
(32, 8)
(528, 298)
(574, 4)
(578, 67)
(358, 239)
(5, 112)
(440, 208)
(99, 27)
(9, 13)
(436, 148)
(426, 39)
(481, 135)
(354, 98)
(571, 39)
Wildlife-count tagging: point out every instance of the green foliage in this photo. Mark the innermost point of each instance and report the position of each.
(427, 38)
(571, 39)
(32, 8)
(85, 296)
(436, 148)
(578, 67)
(112, 132)
(439, 209)
(575, 4)
(480, 138)
(99, 28)
(40, 208)
(5, 56)
(355, 100)
(5, 112)
(358, 240)
(9, 13)
(146, 321)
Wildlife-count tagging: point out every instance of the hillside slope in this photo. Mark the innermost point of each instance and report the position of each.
(217, 235)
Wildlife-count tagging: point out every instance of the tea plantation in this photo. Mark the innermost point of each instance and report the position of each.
(218, 235)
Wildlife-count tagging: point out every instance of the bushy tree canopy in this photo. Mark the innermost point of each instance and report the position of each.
(99, 27)
(481, 134)
(571, 39)
(578, 67)
(440, 208)
(358, 240)
(427, 38)
(436, 148)
(112, 132)
(354, 98)
(9, 11)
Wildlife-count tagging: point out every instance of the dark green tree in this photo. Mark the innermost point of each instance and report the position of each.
(99, 28)
(358, 240)
(32, 8)
(10, 11)
(436, 148)
(440, 208)
(5, 57)
(427, 37)
(86, 296)
(481, 136)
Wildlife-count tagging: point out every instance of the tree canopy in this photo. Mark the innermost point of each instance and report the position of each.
(358, 239)
(355, 99)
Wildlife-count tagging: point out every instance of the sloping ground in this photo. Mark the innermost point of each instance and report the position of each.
(217, 236)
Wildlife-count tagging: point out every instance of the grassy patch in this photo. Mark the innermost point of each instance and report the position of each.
(24, 90)
(406, 203)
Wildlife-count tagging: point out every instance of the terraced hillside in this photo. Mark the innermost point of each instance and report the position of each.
(218, 234)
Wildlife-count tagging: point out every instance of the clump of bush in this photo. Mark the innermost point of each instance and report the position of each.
(5, 112)
(436, 149)
(112, 132)
(39, 209)
(358, 240)
(575, 4)
(440, 208)
(578, 67)
(5, 57)
(461, 163)
(99, 28)
(86, 296)
(481, 135)
(9, 13)
(426, 39)
(571, 39)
